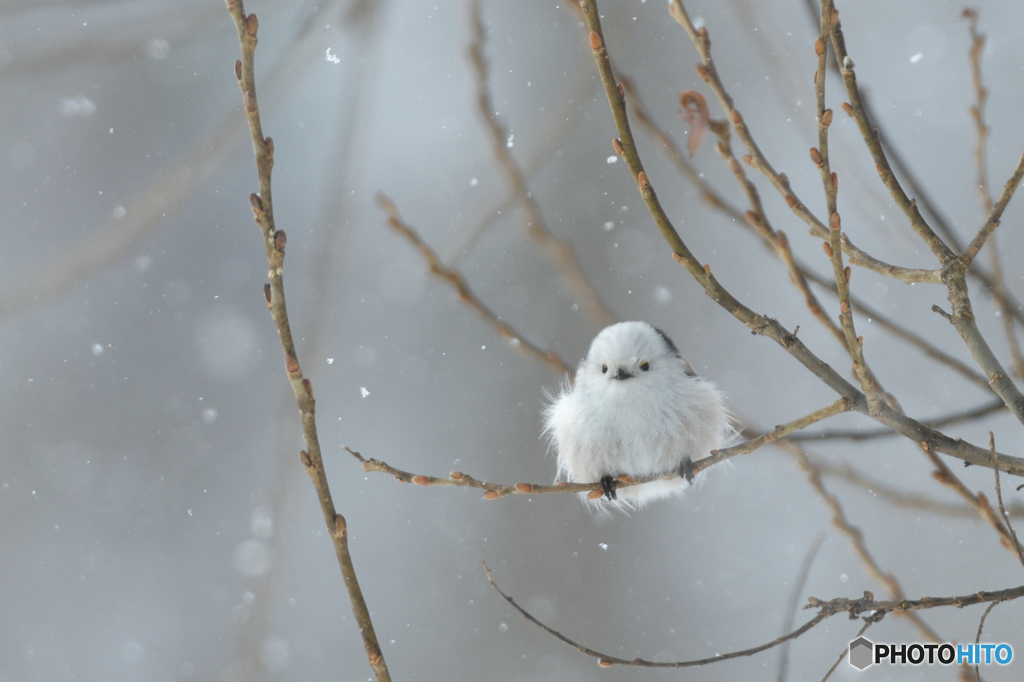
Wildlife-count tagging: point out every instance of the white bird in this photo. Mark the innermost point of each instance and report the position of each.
(635, 407)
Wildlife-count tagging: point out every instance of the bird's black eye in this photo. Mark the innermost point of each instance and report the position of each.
(645, 365)
(604, 369)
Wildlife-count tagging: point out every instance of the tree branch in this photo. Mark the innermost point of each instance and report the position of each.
(274, 242)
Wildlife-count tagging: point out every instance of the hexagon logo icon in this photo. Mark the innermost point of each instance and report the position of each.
(862, 652)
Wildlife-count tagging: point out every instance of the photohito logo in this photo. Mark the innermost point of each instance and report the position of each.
(864, 652)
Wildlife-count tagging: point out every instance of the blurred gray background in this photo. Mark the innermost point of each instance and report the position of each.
(156, 522)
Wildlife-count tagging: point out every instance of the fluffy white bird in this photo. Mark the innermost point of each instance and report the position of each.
(636, 407)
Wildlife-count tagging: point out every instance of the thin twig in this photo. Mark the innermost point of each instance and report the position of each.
(466, 295)
(496, 490)
(274, 242)
(977, 637)
(794, 598)
(994, 216)
(605, 660)
(908, 335)
(868, 622)
(980, 158)
(978, 503)
(854, 534)
(536, 226)
(1015, 543)
(871, 139)
(826, 609)
(841, 273)
(860, 435)
(901, 498)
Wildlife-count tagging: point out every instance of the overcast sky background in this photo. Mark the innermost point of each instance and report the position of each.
(155, 520)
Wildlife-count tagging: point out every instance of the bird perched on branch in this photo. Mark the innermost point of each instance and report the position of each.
(635, 408)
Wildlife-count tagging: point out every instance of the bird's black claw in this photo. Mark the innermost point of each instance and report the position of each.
(686, 469)
(608, 486)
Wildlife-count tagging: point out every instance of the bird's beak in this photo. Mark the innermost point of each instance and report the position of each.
(622, 374)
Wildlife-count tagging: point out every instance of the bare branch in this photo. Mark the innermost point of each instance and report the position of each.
(992, 222)
(860, 435)
(496, 490)
(536, 226)
(909, 206)
(466, 295)
(274, 242)
(606, 660)
(826, 609)
(794, 598)
(1012, 540)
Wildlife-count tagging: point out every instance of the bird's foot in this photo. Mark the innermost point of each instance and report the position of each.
(686, 469)
(608, 486)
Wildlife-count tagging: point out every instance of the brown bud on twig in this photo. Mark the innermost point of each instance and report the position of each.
(266, 291)
(828, 248)
(594, 494)
(642, 180)
(702, 71)
(844, 306)
(604, 664)
(308, 385)
(456, 475)
(736, 117)
(791, 201)
(524, 488)
(249, 101)
(305, 458)
(491, 495)
(238, 69)
(748, 159)
(617, 146)
(291, 364)
(835, 180)
(819, 47)
(848, 272)
(815, 156)
(782, 239)
(815, 77)
(847, 108)
(595, 41)
(983, 501)
(734, 165)
(826, 118)
(627, 479)
(834, 222)
(280, 239)
(622, 91)
(420, 479)
(833, 17)
(269, 143)
(252, 25)
(256, 203)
